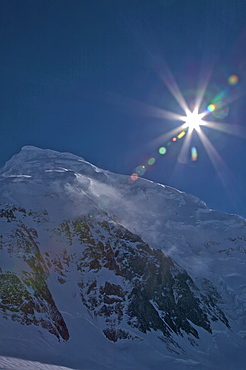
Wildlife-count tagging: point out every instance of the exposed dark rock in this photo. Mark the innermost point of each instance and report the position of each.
(115, 334)
(162, 295)
(152, 292)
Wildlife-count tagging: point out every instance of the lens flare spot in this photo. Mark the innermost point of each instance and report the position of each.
(162, 150)
(233, 80)
(134, 176)
(221, 110)
(181, 134)
(211, 107)
(151, 161)
(194, 154)
(140, 170)
(174, 139)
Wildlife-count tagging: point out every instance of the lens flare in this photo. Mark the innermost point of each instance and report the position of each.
(207, 100)
(211, 108)
(181, 134)
(162, 150)
(140, 170)
(233, 80)
(221, 110)
(134, 176)
(151, 161)
(194, 154)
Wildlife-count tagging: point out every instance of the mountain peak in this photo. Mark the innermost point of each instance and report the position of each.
(82, 250)
(34, 151)
(31, 147)
(31, 160)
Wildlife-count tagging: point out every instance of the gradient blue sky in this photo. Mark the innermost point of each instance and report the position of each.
(74, 71)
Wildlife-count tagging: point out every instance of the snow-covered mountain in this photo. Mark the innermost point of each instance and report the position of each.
(99, 273)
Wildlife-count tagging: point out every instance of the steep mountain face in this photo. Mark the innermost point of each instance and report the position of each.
(93, 265)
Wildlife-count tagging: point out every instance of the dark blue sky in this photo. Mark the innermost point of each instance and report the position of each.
(72, 72)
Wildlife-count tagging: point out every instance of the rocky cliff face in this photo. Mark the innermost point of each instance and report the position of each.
(24, 295)
(146, 289)
(69, 232)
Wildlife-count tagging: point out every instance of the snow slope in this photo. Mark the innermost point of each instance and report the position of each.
(11, 363)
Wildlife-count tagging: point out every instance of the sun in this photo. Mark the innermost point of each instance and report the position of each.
(193, 120)
(191, 124)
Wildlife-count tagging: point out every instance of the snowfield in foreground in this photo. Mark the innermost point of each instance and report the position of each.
(11, 363)
(98, 273)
